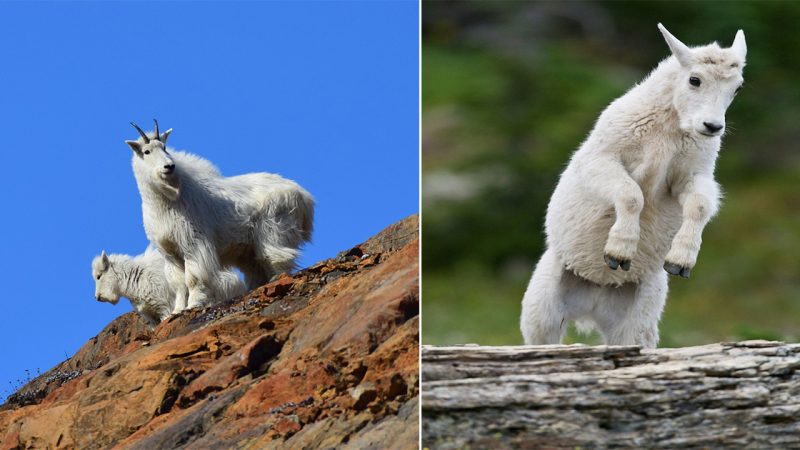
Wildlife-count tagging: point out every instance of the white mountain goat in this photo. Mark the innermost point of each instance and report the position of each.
(635, 196)
(202, 221)
(141, 280)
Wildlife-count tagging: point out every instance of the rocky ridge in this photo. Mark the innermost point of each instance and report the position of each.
(716, 396)
(327, 357)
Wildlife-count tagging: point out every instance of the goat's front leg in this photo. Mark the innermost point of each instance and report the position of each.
(175, 278)
(608, 179)
(202, 271)
(699, 200)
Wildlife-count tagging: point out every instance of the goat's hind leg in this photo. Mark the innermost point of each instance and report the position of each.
(543, 319)
(629, 315)
(256, 274)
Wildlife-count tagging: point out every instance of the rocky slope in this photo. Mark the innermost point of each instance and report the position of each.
(327, 357)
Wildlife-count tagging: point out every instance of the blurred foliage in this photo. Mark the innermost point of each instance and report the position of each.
(510, 89)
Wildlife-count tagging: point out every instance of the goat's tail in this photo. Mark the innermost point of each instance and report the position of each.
(282, 259)
(305, 214)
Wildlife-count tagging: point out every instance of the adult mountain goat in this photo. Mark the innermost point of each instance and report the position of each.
(201, 221)
(631, 205)
(141, 280)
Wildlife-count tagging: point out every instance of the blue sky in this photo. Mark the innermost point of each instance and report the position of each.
(325, 93)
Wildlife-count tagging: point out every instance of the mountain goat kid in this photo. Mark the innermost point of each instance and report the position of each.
(141, 280)
(635, 196)
(201, 221)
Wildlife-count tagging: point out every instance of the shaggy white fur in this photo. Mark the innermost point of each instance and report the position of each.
(202, 221)
(635, 197)
(141, 280)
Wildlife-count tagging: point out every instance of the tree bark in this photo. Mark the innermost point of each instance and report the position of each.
(728, 395)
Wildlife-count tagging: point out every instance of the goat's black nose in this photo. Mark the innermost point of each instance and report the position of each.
(169, 167)
(712, 127)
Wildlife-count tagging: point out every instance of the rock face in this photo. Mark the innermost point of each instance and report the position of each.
(734, 395)
(327, 357)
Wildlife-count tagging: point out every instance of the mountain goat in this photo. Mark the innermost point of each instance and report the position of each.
(635, 196)
(141, 280)
(202, 221)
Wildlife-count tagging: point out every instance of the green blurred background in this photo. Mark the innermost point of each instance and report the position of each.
(510, 89)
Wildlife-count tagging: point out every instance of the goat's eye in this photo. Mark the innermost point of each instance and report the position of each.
(147, 152)
(694, 81)
(98, 277)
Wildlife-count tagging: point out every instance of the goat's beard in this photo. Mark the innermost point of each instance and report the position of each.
(169, 186)
(113, 299)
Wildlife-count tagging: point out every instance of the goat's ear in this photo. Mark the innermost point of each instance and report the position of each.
(135, 146)
(739, 45)
(164, 136)
(682, 53)
(104, 259)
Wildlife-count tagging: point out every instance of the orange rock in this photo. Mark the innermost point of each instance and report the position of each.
(279, 287)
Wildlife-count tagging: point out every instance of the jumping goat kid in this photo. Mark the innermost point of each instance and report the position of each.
(631, 205)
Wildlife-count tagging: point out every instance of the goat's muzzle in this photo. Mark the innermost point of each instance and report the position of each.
(712, 127)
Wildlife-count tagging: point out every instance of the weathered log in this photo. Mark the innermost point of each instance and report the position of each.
(729, 395)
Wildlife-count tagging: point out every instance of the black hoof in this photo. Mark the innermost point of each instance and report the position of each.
(676, 269)
(613, 263)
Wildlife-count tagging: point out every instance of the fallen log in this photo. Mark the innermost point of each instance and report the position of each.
(727, 395)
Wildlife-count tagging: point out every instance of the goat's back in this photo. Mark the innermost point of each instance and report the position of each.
(274, 197)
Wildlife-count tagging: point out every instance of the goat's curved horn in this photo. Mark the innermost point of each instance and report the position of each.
(144, 136)
(158, 135)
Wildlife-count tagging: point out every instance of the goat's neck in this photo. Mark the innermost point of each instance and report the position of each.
(658, 87)
(131, 278)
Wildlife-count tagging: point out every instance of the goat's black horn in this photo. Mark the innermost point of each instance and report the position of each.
(158, 135)
(144, 136)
